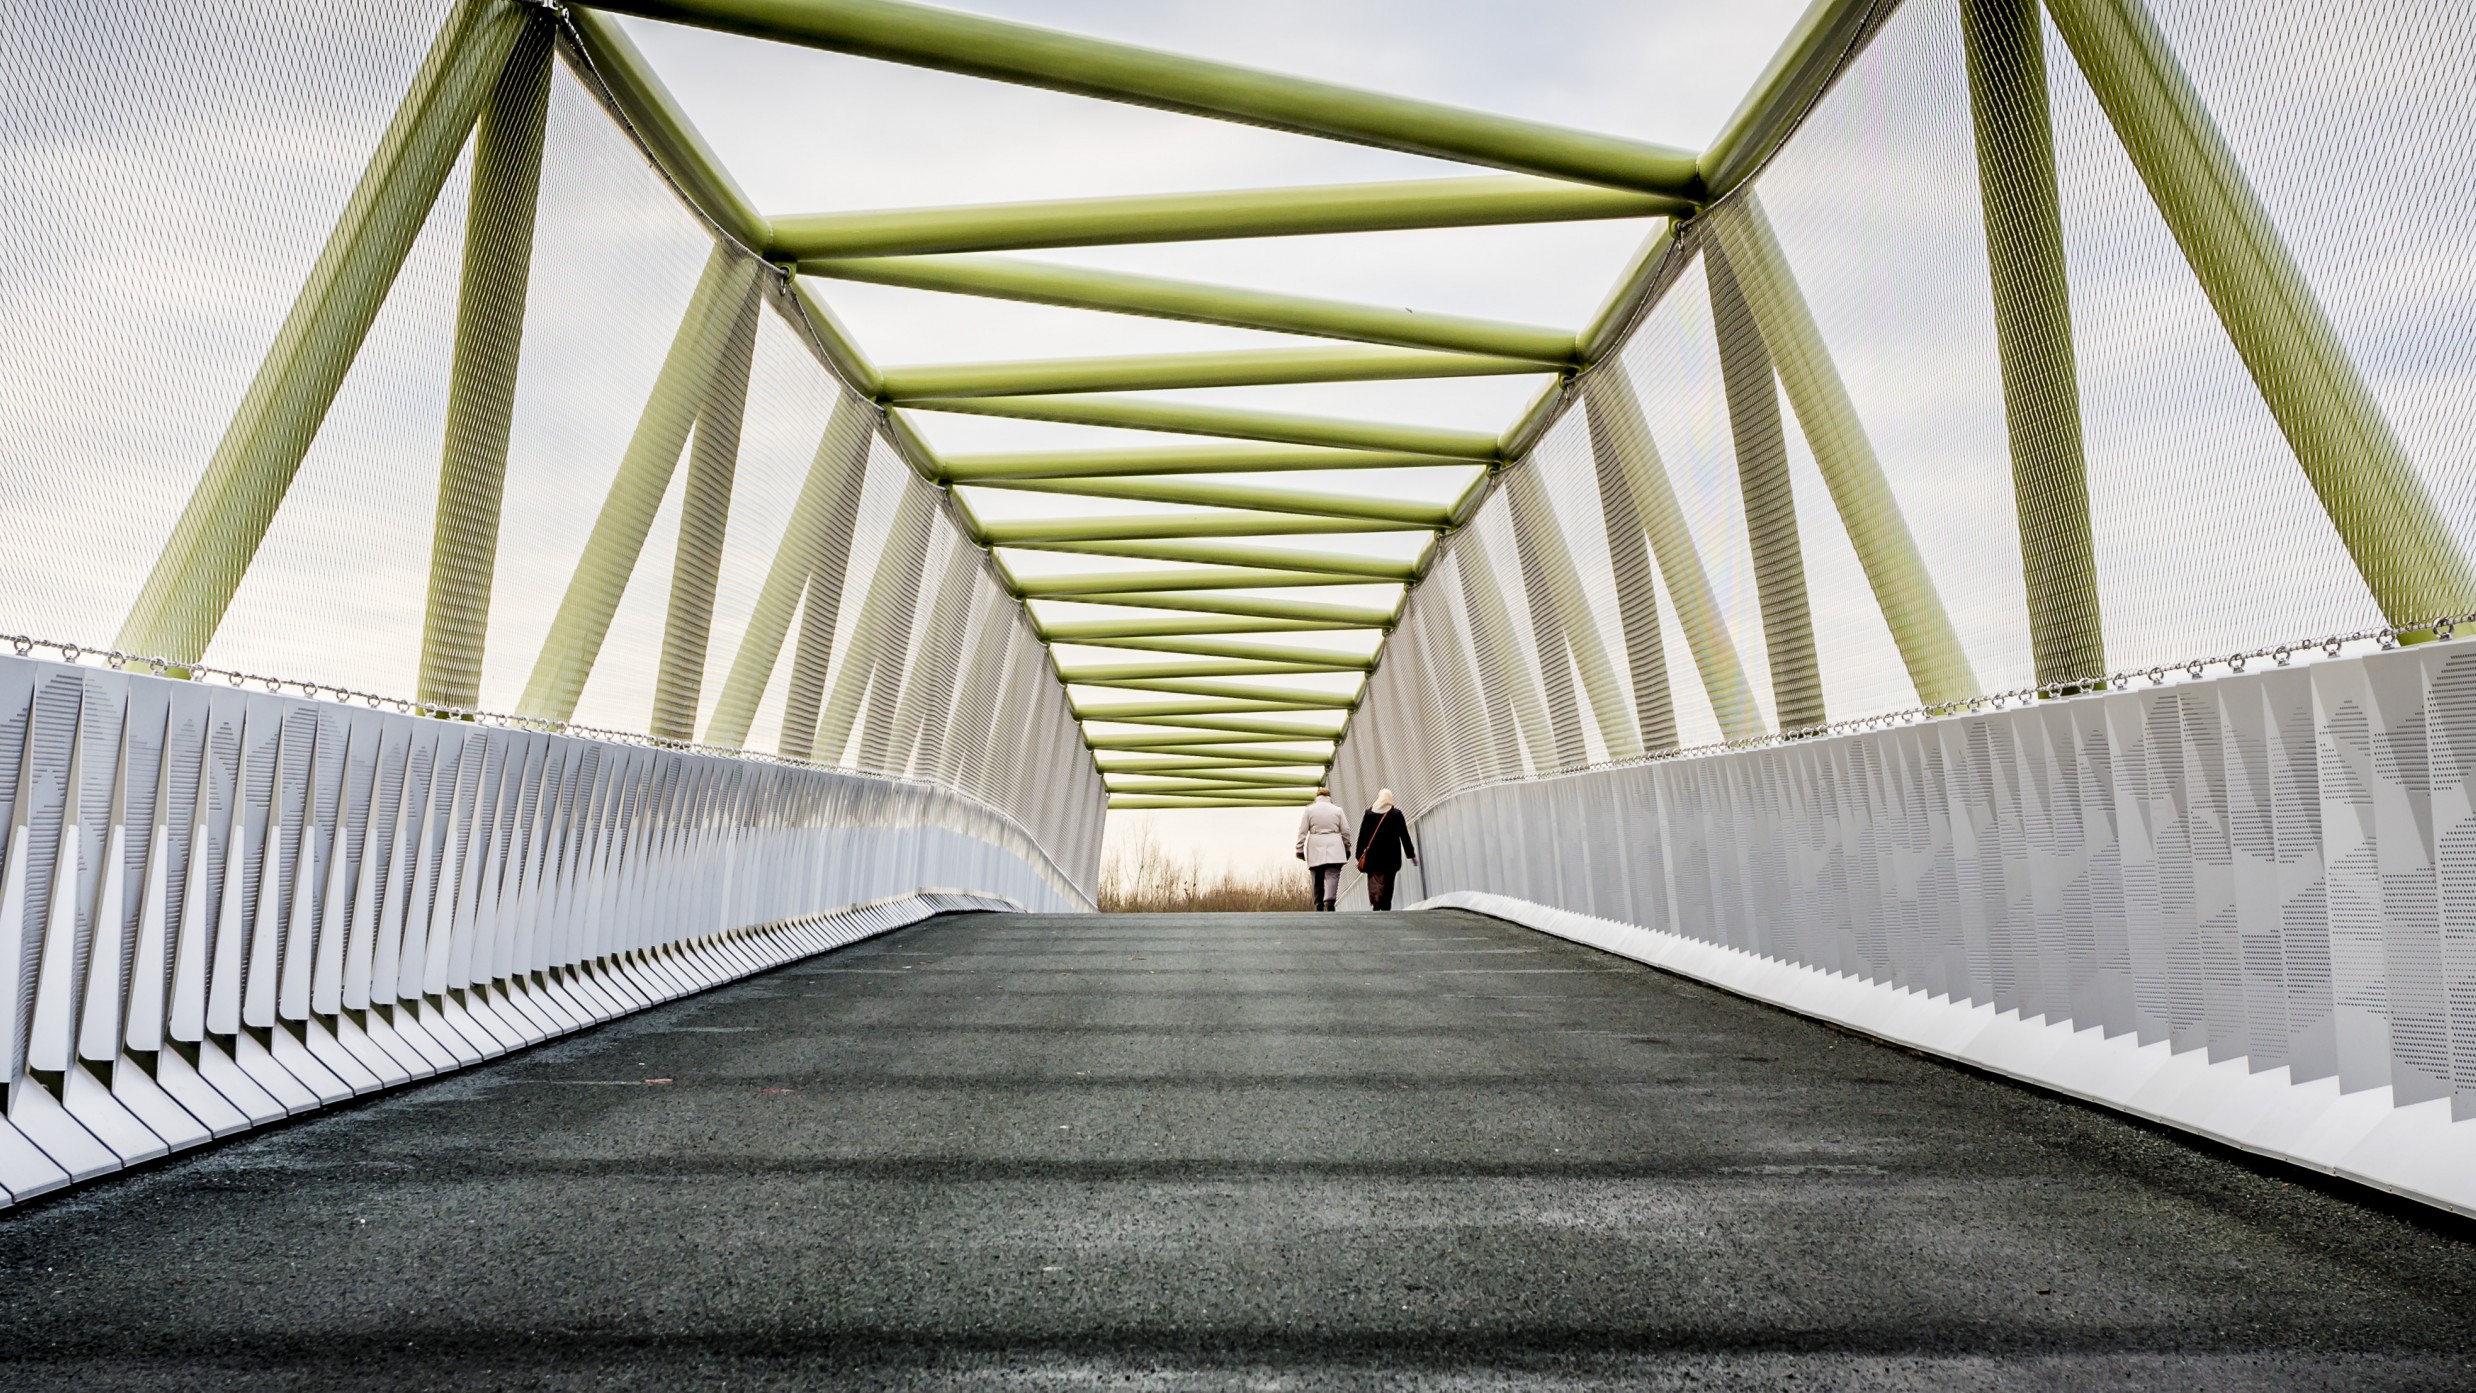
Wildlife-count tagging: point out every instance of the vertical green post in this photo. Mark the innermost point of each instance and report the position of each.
(1770, 503)
(816, 541)
(1618, 432)
(928, 701)
(2414, 567)
(584, 614)
(704, 523)
(201, 565)
(2006, 45)
(1929, 645)
(481, 382)
(1637, 607)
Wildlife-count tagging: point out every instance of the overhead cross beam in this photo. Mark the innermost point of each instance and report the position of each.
(1218, 494)
(1391, 206)
(948, 41)
(1166, 371)
(1176, 459)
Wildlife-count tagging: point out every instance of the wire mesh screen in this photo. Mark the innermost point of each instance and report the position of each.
(655, 510)
(2043, 352)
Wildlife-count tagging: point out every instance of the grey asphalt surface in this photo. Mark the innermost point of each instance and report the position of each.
(1262, 1152)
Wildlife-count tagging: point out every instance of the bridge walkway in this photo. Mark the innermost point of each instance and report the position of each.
(1280, 1151)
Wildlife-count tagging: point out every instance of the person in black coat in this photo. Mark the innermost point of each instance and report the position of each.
(1383, 840)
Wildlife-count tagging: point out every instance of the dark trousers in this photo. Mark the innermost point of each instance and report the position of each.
(1380, 889)
(1327, 884)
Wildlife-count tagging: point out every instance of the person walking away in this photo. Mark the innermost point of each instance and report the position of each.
(1324, 844)
(1383, 840)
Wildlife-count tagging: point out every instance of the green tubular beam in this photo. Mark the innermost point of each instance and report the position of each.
(1618, 431)
(202, 562)
(948, 41)
(1144, 712)
(2354, 461)
(1217, 494)
(1206, 667)
(481, 379)
(1815, 51)
(1116, 292)
(1204, 783)
(1232, 690)
(1503, 677)
(1044, 533)
(1250, 607)
(1204, 721)
(2006, 47)
(1149, 633)
(1209, 745)
(1322, 659)
(1139, 587)
(1163, 372)
(1391, 206)
(1761, 445)
(649, 110)
(1202, 759)
(1298, 799)
(1536, 530)
(1637, 604)
(1336, 570)
(704, 523)
(1199, 459)
(1134, 413)
(1938, 667)
(584, 614)
(815, 542)
(894, 590)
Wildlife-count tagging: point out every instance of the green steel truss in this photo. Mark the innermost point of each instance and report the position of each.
(1221, 638)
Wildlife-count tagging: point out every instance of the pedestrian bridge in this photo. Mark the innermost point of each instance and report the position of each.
(624, 553)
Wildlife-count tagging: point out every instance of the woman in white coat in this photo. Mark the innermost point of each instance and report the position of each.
(1324, 844)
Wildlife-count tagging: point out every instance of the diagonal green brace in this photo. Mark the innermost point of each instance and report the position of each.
(618, 536)
(235, 501)
(481, 378)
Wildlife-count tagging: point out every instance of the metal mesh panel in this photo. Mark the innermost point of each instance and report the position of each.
(640, 502)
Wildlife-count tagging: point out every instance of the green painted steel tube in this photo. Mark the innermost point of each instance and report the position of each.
(2005, 42)
(1218, 552)
(948, 41)
(1138, 711)
(1217, 687)
(1137, 587)
(1198, 667)
(1145, 633)
(1214, 493)
(1391, 206)
(1929, 645)
(2370, 488)
(618, 536)
(1254, 367)
(816, 541)
(1247, 606)
(654, 116)
(1618, 430)
(1816, 50)
(203, 561)
(1153, 783)
(1163, 802)
(704, 524)
(1117, 292)
(481, 378)
(1236, 726)
(1543, 541)
(1208, 745)
(1513, 699)
(1137, 413)
(1637, 602)
(1194, 459)
(1761, 443)
(893, 597)
(1052, 532)
(1115, 759)
(1223, 648)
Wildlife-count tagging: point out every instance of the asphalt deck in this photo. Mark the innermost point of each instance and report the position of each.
(1271, 1151)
